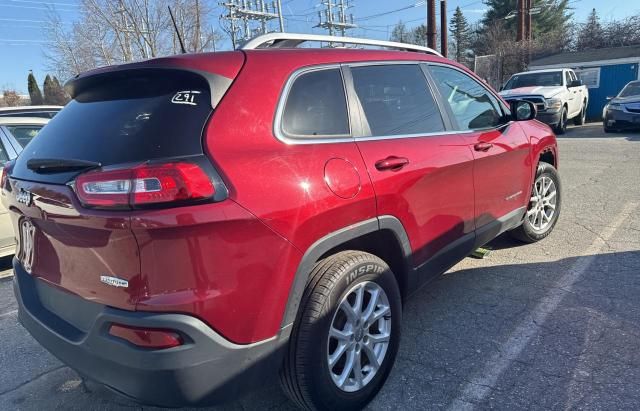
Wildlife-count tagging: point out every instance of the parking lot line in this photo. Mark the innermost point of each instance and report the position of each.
(479, 387)
(8, 313)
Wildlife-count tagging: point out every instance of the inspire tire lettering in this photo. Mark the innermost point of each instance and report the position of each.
(363, 269)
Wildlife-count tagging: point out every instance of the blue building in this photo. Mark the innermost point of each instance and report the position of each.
(603, 71)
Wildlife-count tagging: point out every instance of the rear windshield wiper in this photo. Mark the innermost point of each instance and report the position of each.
(59, 165)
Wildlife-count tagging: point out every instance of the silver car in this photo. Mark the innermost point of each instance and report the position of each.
(15, 134)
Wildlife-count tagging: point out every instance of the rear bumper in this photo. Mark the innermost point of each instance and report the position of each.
(207, 369)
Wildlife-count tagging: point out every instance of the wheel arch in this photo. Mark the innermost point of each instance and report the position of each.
(383, 236)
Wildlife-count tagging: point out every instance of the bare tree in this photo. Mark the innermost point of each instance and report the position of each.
(10, 98)
(118, 31)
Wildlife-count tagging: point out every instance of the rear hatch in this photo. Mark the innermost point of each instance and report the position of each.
(109, 151)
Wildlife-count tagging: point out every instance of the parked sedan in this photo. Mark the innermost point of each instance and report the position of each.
(623, 111)
(15, 134)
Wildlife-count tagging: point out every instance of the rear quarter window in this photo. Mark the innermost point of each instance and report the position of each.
(316, 106)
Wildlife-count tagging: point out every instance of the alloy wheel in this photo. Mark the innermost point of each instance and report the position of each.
(359, 336)
(542, 206)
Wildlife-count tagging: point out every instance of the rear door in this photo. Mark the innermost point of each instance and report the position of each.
(124, 120)
(421, 173)
(502, 169)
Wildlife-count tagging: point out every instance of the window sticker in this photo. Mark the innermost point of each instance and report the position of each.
(186, 97)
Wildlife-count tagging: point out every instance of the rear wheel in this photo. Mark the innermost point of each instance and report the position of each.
(561, 128)
(544, 206)
(345, 339)
(580, 120)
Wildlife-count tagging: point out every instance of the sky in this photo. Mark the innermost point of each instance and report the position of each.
(22, 39)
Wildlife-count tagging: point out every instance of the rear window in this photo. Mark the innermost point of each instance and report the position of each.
(125, 118)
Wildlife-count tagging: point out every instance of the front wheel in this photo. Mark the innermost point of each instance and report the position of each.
(544, 206)
(561, 128)
(345, 339)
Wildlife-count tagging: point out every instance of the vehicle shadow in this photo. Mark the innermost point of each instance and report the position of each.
(454, 326)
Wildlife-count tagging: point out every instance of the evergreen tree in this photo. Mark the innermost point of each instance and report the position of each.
(48, 90)
(591, 35)
(554, 15)
(34, 91)
(419, 35)
(61, 95)
(460, 34)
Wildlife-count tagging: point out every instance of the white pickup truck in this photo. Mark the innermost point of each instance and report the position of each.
(557, 93)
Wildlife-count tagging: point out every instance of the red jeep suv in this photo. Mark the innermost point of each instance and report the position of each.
(190, 226)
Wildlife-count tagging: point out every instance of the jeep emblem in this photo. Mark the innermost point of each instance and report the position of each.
(23, 196)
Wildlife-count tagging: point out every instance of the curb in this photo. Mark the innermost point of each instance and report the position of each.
(5, 275)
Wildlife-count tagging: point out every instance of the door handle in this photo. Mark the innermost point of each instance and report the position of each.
(392, 163)
(482, 146)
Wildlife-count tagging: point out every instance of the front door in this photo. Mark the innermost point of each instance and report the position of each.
(502, 169)
(421, 173)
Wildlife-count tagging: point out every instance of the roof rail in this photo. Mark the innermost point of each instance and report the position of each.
(292, 40)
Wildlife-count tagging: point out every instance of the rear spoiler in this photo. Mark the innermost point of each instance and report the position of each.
(217, 69)
(218, 85)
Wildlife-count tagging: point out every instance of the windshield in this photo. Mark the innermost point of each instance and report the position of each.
(551, 78)
(631, 89)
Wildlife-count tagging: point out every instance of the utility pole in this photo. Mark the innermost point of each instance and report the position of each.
(520, 31)
(342, 24)
(527, 21)
(443, 28)
(249, 11)
(431, 24)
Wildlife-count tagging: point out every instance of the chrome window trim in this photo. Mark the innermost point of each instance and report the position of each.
(277, 123)
(308, 139)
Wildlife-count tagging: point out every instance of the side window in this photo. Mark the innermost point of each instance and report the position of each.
(567, 77)
(24, 134)
(396, 100)
(473, 106)
(316, 106)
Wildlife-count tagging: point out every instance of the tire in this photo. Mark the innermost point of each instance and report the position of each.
(580, 120)
(561, 127)
(306, 376)
(529, 231)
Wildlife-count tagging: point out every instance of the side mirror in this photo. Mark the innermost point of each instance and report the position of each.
(575, 83)
(523, 110)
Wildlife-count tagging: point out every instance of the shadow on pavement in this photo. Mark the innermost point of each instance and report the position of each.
(583, 356)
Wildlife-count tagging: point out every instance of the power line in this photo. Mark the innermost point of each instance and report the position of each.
(342, 23)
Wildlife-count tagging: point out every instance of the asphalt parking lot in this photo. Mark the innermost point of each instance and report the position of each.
(553, 325)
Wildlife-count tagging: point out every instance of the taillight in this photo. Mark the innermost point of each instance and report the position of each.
(144, 184)
(146, 337)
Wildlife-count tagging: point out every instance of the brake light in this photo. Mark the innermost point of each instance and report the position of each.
(146, 337)
(144, 184)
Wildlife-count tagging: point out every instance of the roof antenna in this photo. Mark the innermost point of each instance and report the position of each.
(175, 26)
